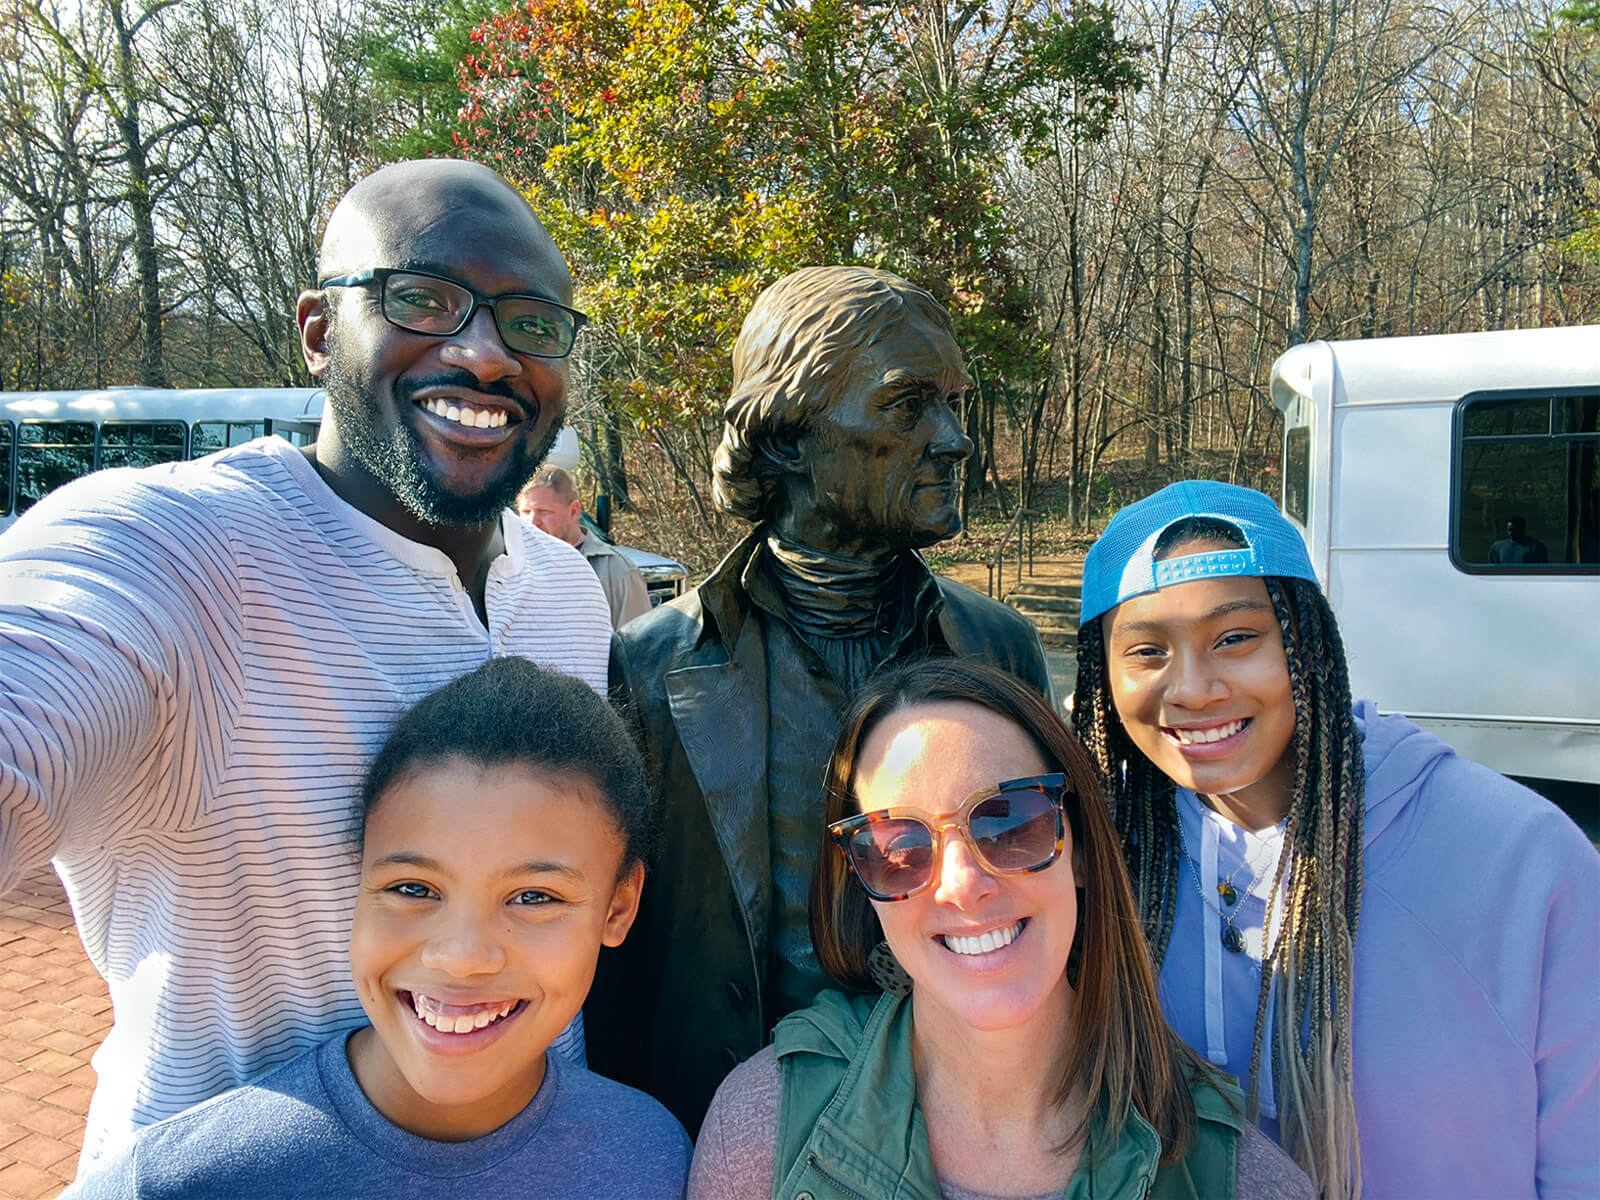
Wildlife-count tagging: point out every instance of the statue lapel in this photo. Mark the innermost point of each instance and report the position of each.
(720, 711)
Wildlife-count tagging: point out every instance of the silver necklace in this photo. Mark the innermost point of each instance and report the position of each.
(1232, 939)
(1225, 888)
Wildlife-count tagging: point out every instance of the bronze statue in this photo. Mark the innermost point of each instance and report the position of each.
(842, 445)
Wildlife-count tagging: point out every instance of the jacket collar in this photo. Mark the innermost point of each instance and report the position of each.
(872, 1137)
(722, 594)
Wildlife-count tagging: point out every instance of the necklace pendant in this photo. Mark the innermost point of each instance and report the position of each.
(1232, 940)
(1225, 890)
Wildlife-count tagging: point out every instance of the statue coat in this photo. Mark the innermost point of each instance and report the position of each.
(683, 1000)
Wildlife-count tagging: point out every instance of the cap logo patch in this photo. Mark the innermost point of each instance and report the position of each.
(1121, 564)
(1214, 564)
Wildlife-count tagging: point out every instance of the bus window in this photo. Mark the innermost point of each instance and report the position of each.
(296, 433)
(211, 436)
(1297, 473)
(7, 438)
(50, 453)
(1528, 483)
(141, 443)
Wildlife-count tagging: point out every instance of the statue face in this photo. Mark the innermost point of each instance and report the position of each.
(884, 462)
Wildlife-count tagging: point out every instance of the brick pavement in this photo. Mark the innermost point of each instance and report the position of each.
(54, 1011)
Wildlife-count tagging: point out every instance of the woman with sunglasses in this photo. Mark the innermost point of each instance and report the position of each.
(998, 1033)
(1395, 949)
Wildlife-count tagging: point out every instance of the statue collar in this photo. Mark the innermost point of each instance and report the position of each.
(822, 595)
(726, 598)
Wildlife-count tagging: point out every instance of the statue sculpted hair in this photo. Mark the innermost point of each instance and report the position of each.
(793, 359)
(1318, 875)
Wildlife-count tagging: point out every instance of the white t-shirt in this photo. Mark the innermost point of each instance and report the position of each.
(196, 663)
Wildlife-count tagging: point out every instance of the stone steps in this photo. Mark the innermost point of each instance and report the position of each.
(1048, 596)
(1052, 602)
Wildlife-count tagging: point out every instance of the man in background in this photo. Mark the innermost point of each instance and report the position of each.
(551, 502)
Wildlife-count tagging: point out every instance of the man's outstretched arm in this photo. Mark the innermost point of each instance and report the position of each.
(119, 638)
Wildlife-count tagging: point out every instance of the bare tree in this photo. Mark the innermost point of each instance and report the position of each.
(135, 63)
(1311, 75)
(54, 208)
(289, 138)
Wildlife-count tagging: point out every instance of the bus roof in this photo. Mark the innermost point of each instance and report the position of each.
(1435, 368)
(163, 404)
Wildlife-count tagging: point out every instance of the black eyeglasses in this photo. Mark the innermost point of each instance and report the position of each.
(1014, 828)
(422, 303)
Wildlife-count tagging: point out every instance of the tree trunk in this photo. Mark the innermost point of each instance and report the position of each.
(1304, 230)
(613, 464)
(141, 210)
(972, 421)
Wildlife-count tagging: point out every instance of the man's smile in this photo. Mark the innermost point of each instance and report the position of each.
(478, 417)
(466, 414)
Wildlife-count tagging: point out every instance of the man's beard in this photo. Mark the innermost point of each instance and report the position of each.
(395, 457)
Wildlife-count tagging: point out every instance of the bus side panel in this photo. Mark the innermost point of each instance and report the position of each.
(1424, 638)
(1393, 481)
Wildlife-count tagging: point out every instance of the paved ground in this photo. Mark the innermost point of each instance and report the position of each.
(1063, 664)
(1063, 672)
(54, 1011)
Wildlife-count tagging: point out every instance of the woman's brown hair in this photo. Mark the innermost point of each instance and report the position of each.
(1121, 1054)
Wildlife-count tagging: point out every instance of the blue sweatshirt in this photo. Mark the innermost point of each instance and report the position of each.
(1477, 975)
(306, 1131)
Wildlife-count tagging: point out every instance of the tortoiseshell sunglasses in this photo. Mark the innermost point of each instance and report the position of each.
(1013, 828)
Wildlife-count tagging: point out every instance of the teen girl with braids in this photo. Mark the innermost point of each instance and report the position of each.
(1395, 950)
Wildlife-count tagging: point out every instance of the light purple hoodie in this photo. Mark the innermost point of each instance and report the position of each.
(1477, 975)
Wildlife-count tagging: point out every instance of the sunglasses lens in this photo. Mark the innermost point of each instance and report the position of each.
(892, 857)
(1018, 829)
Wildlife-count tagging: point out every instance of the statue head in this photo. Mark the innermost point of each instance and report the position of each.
(842, 430)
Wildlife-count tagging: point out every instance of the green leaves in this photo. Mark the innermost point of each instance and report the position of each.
(686, 153)
(412, 48)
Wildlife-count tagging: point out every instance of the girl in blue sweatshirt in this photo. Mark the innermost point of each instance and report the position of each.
(1395, 950)
(503, 827)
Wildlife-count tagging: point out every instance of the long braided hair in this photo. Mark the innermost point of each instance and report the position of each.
(1318, 874)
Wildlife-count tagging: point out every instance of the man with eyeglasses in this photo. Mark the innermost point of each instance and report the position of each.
(201, 657)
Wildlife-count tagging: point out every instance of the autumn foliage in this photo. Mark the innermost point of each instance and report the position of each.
(685, 153)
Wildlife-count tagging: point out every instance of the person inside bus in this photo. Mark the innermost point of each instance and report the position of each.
(550, 501)
(1517, 546)
(502, 830)
(200, 657)
(998, 1033)
(1393, 948)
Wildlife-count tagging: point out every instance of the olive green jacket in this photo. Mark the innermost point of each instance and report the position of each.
(684, 1001)
(849, 1126)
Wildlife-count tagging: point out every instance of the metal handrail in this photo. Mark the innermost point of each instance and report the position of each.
(1023, 516)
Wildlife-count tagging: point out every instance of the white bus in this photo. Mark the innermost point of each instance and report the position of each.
(1449, 491)
(48, 438)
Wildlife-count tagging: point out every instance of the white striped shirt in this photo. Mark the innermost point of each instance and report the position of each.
(196, 663)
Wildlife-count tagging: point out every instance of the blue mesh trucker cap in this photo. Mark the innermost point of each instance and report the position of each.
(1122, 563)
